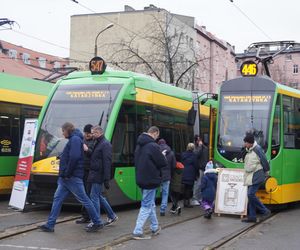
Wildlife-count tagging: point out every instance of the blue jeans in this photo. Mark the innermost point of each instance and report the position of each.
(164, 196)
(99, 200)
(147, 210)
(254, 203)
(75, 186)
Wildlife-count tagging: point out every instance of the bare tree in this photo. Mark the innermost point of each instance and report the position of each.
(162, 49)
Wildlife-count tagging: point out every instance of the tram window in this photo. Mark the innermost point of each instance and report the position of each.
(124, 137)
(9, 129)
(276, 124)
(291, 124)
(143, 118)
(173, 127)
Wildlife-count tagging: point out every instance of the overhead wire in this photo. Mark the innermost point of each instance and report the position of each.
(249, 19)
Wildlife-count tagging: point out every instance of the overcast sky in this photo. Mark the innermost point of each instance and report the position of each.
(43, 21)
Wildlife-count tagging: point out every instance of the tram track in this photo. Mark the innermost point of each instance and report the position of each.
(13, 231)
(128, 237)
(216, 245)
(237, 234)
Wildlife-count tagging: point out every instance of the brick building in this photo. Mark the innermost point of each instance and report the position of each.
(285, 68)
(20, 61)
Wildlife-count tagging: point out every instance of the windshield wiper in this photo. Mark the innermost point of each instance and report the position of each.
(100, 122)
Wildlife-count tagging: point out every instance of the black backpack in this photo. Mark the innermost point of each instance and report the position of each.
(263, 160)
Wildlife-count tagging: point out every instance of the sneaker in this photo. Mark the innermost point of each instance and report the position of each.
(111, 221)
(162, 214)
(93, 227)
(178, 210)
(248, 220)
(156, 232)
(82, 221)
(141, 237)
(173, 210)
(45, 228)
(195, 203)
(207, 216)
(265, 215)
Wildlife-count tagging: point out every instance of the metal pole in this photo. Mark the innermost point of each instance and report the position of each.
(96, 39)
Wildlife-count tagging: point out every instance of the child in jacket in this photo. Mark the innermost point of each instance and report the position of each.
(208, 189)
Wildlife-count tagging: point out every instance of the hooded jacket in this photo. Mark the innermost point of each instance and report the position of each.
(170, 156)
(209, 185)
(254, 173)
(148, 161)
(71, 159)
(101, 160)
(202, 156)
(189, 160)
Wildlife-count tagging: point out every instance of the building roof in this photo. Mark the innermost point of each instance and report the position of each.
(38, 65)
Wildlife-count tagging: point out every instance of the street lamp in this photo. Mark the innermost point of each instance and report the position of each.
(106, 28)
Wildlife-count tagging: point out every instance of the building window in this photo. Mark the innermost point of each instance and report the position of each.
(288, 57)
(295, 69)
(12, 53)
(26, 58)
(56, 65)
(42, 62)
(191, 42)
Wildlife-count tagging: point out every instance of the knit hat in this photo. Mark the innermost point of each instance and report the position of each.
(161, 141)
(87, 128)
(209, 165)
(249, 138)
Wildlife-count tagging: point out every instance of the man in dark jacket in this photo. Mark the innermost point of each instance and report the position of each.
(201, 152)
(100, 171)
(70, 180)
(166, 174)
(148, 162)
(88, 141)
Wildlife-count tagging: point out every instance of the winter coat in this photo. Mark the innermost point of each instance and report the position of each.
(87, 155)
(176, 185)
(254, 173)
(189, 160)
(202, 156)
(209, 185)
(148, 161)
(170, 156)
(71, 159)
(101, 159)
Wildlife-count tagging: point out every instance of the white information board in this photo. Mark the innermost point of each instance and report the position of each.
(231, 195)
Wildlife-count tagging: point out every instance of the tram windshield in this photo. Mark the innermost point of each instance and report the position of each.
(78, 104)
(241, 113)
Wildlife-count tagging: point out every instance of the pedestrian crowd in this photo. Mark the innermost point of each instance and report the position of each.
(85, 171)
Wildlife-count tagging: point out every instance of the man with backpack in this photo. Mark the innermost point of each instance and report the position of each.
(256, 165)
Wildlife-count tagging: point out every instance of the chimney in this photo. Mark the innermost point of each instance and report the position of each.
(128, 8)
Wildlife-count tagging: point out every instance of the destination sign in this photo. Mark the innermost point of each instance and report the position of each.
(97, 66)
(247, 98)
(248, 68)
(88, 94)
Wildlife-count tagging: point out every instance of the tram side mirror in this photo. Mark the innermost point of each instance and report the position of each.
(191, 116)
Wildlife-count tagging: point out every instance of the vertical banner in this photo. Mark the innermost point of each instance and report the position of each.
(231, 195)
(21, 183)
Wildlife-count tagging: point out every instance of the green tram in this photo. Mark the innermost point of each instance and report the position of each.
(124, 104)
(272, 112)
(20, 98)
